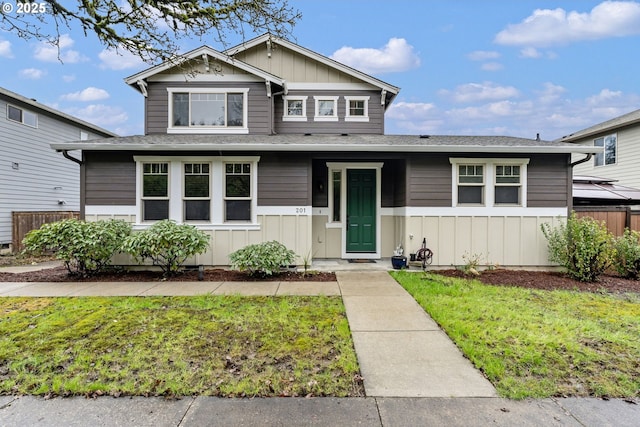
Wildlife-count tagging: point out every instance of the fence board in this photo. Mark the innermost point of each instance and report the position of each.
(617, 218)
(23, 222)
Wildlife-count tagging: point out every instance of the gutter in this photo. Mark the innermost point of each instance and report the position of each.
(66, 155)
(586, 159)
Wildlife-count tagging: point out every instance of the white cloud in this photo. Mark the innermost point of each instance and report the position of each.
(87, 95)
(100, 115)
(397, 55)
(605, 95)
(409, 110)
(550, 93)
(483, 55)
(478, 92)
(530, 52)
(48, 52)
(32, 73)
(492, 66)
(5, 49)
(120, 59)
(68, 78)
(547, 27)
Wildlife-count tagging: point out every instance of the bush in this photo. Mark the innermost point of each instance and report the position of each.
(627, 254)
(262, 259)
(167, 244)
(85, 247)
(582, 246)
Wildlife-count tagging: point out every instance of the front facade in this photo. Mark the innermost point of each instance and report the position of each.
(270, 141)
(618, 142)
(32, 177)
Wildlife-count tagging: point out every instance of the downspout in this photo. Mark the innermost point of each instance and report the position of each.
(65, 154)
(577, 162)
(571, 165)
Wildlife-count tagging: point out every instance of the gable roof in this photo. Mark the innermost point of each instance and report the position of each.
(609, 125)
(32, 103)
(198, 53)
(329, 143)
(267, 37)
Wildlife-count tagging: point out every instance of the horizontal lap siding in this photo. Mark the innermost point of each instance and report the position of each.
(110, 179)
(157, 104)
(549, 180)
(375, 125)
(429, 181)
(284, 180)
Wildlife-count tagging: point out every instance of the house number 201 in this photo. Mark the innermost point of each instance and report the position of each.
(301, 210)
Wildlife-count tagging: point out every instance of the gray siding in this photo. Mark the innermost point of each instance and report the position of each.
(375, 125)
(549, 181)
(429, 181)
(33, 177)
(109, 179)
(157, 105)
(284, 180)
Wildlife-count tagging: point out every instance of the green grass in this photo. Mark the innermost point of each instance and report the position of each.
(533, 343)
(177, 346)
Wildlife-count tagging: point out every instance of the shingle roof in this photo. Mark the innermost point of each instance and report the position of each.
(356, 143)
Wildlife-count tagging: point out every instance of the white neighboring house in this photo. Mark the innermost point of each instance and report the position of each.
(33, 177)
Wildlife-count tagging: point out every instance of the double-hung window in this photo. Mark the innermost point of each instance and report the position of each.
(507, 185)
(326, 108)
(237, 191)
(471, 184)
(207, 111)
(357, 109)
(608, 155)
(295, 108)
(22, 116)
(197, 192)
(155, 191)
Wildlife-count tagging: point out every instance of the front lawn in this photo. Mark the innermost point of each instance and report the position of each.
(177, 346)
(534, 343)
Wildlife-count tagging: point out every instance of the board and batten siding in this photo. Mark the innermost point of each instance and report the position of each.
(157, 104)
(375, 124)
(33, 177)
(625, 170)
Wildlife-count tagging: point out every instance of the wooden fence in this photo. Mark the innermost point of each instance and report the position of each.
(617, 218)
(23, 222)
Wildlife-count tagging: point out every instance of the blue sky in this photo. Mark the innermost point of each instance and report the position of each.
(466, 67)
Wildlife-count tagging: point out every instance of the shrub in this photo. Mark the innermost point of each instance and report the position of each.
(85, 247)
(627, 254)
(582, 246)
(263, 259)
(167, 244)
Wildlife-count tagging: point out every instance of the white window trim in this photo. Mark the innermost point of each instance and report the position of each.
(205, 129)
(24, 112)
(285, 113)
(334, 117)
(216, 189)
(604, 150)
(489, 180)
(341, 169)
(348, 117)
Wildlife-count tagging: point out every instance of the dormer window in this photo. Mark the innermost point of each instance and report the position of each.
(207, 110)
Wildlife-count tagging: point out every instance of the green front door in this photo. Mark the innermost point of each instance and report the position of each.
(361, 210)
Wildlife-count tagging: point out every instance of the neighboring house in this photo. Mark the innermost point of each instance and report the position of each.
(596, 191)
(618, 140)
(271, 141)
(32, 177)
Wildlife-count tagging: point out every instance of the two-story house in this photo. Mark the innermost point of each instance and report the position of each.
(33, 178)
(271, 141)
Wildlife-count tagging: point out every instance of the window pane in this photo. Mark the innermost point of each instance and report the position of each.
(154, 210)
(238, 210)
(235, 103)
(181, 109)
(610, 149)
(207, 109)
(326, 108)
(155, 186)
(238, 186)
(507, 174)
(294, 107)
(470, 194)
(14, 113)
(30, 118)
(196, 210)
(356, 108)
(470, 174)
(196, 186)
(598, 160)
(337, 178)
(508, 195)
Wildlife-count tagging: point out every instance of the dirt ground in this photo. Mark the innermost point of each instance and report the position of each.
(502, 277)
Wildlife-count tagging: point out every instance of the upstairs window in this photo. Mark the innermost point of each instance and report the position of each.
(610, 148)
(155, 191)
(357, 109)
(295, 108)
(206, 111)
(22, 116)
(470, 184)
(326, 108)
